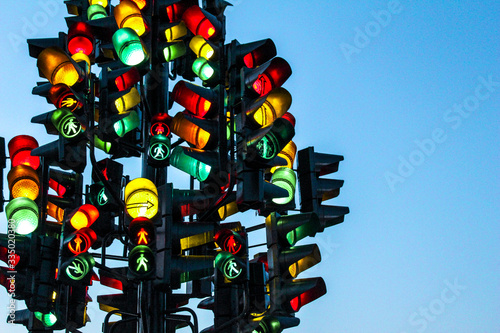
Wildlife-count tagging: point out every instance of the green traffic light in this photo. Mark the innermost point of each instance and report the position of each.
(48, 319)
(66, 123)
(190, 165)
(128, 46)
(141, 261)
(174, 50)
(284, 178)
(24, 213)
(230, 266)
(95, 12)
(202, 68)
(127, 124)
(80, 266)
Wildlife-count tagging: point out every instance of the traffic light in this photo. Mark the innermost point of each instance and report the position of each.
(76, 264)
(24, 186)
(141, 198)
(141, 259)
(159, 141)
(287, 261)
(57, 67)
(232, 261)
(314, 190)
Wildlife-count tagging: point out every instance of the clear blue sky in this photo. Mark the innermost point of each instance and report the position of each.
(409, 93)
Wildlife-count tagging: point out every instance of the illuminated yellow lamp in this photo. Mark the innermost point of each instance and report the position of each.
(23, 182)
(176, 32)
(128, 15)
(128, 101)
(103, 3)
(55, 211)
(310, 257)
(84, 216)
(141, 198)
(228, 210)
(82, 57)
(55, 65)
(288, 153)
(202, 48)
(189, 131)
(277, 103)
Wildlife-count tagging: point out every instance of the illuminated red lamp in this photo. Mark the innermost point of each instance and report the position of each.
(84, 216)
(142, 231)
(111, 282)
(196, 99)
(273, 76)
(159, 124)
(80, 38)
(60, 189)
(62, 97)
(20, 148)
(201, 22)
(127, 79)
(230, 241)
(11, 259)
(311, 289)
(265, 51)
(81, 240)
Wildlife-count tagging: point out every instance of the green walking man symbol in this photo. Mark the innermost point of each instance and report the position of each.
(142, 262)
(159, 153)
(71, 128)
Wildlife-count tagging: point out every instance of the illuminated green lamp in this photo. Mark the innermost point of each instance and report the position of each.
(66, 123)
(232, 267)
(203, 69)
(48, 319)
(141, 261)
(189, 165)
(80, 266)
(285, 178)
(298, 226)
(172, 51)
(127, 124)
(24, 213)
(128, 46)
(159, 147)
(268, 325)
(102, 145)
(95, 12)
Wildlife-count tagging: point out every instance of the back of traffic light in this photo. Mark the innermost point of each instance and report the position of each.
(314, 189)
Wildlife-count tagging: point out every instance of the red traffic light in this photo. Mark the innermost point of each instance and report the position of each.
(142, 231)
(80, 38)
(197, 100)
(63, 97)
(201, 22)
(230, 241)
(270, 76)
(159, 124)
(20, 148)
(127, 79)
(309, 290)
(81, 240)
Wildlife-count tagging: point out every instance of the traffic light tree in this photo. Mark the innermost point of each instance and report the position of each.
(156, 80)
